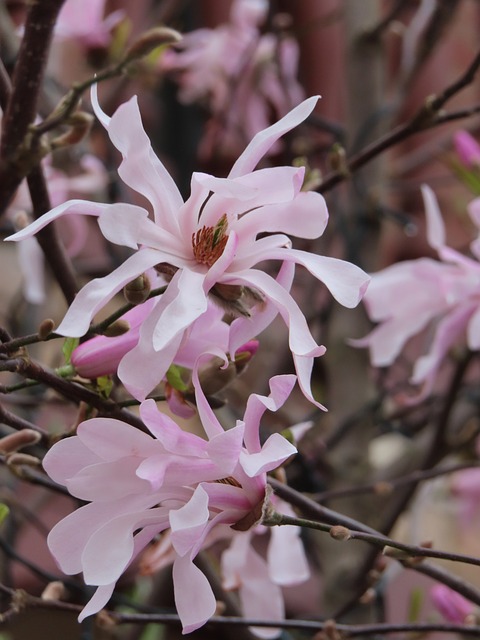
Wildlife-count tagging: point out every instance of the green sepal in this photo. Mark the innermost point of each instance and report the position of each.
(174, 378)
(69, 345)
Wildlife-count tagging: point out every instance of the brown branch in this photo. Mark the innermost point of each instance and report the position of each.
(70, 390)
(26, 82)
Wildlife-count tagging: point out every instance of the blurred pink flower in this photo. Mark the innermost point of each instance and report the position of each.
(453, 606)
(138, 486)
(85, 21)
(91, 180)
(410, 296)
(208, 246)
(467, 148)
(243, 77)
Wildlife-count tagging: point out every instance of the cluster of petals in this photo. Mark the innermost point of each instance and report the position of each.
(139, 485)
(440, 295)
(102, 355)
(241, 75)
(208, 246)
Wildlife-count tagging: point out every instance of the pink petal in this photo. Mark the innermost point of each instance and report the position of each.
(96, 293)
(188, 523)
(301, 341)
(448, 329)
(273, 453)
(305, 217)
(113, 439)
(99, 599)
(69, 537)
(110, 548)
(435, 227)
(67, 208)
(208, 419)
(66, 458)
(194, 597)
(243, 329)
(286, 544)
(107, 480)
(265, 139)
(303, 369)
(140, 168)
(188, 304)
(346, 282)
(280, 389)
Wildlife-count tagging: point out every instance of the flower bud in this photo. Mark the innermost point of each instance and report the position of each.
(467, 148)
(150, 40)
(79, 125)
(453, 606)
(340, 533)
(117, 328)
(138, 290)
(18, 440)
(54, 591)
(45, 329)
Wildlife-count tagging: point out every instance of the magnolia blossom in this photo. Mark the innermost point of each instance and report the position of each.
(242, 76)
(139, 485)
(208, 246)
(414, 295)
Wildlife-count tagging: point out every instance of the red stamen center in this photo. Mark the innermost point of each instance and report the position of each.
(209, 242)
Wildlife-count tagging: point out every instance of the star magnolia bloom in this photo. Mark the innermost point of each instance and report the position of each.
(413, 295)
(208, 245)
(138, 486)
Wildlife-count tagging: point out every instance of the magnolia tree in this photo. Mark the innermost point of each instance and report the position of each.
(173, 428)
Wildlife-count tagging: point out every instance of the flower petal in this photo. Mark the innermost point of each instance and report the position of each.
(67, 208)
(265, 139)
(194, 597)
(140, 168)
(96, 293)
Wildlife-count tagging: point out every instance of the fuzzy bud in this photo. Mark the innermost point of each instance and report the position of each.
(45, 329)
(17, 460)
(54, 591)
(150, 40)
(340, 533)
(18, 440)
(117, 328)
(79, 125)
(138, 290)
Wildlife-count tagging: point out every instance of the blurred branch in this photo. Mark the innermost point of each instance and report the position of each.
(429, 115)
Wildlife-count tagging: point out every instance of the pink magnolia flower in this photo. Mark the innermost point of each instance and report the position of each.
(209, 246)
(138, 486)
(243, 77)
(410, 296)
(453, 606)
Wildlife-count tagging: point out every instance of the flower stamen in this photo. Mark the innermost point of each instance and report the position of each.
(208, 243)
